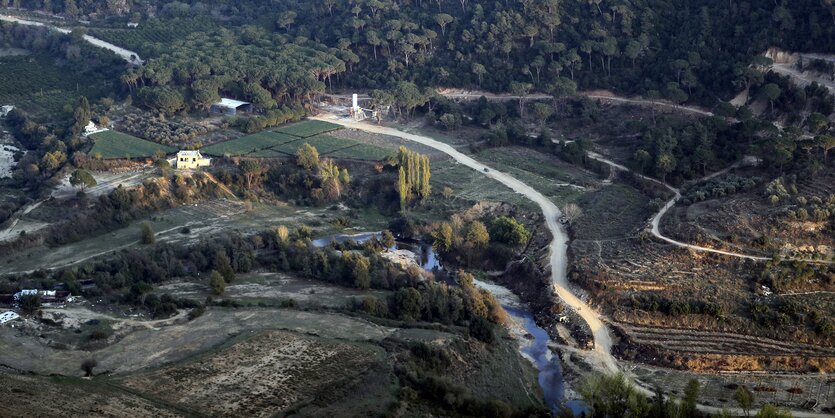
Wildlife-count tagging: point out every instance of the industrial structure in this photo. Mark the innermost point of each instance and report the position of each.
(358, 113)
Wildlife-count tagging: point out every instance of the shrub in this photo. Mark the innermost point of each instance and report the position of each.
(147, 234)
(216, 283)
(196, 313)
(482, 330)
(88, 365)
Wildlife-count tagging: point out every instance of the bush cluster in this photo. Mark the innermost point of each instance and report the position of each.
(160, 130)
(720, 187)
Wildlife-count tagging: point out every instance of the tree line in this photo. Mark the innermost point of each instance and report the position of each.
(249, 63)
(413, 176)
(679, 49)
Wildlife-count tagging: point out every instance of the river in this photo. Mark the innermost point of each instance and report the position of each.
(534, 342)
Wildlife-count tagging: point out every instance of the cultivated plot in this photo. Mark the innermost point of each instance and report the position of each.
(308, 128)
(114, 145)
(362, 152)
(37, 85)
(269, 144)
(323, 143)
(248, 144)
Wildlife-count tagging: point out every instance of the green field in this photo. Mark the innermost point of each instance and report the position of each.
(35, 84)
(284, 142)
(268, 153)
(559, 181)
(308, 128)
(363, 152)
(113, 145)
(323, 143)
(248, 144)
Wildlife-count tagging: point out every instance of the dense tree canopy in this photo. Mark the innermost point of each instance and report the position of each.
(688, 50)
(247, 63)
(685, 50)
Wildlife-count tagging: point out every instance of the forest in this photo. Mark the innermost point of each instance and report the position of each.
(266, 69)
(685, 51)
(682, 50)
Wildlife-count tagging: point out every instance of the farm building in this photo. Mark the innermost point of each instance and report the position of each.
(188, 160)
(91, 128)
(4, 110)
(45, 296)
(8, 316)
(231, 106)
(25, 292)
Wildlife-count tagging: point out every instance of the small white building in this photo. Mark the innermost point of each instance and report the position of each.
(91, 128)
(4, 110)
(8, 316)
(133, 24)
(25, 292)
(189, 160)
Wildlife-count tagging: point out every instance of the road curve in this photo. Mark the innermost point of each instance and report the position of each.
(650, 102)
(558, 246)
(602, 338)
(655, 223)
(127, 55)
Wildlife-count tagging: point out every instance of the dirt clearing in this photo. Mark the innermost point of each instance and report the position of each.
(266, 287)
(26, 395)
(151, 346)
(261, 376)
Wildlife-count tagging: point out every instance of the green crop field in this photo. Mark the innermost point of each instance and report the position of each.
(323, 143)
(248, 144)
(268, 153)
(280, 143)
(35, 84)
(308, 128)
(113, 145)
(362, 152)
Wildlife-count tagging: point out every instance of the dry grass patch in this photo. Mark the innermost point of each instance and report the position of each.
(262, 376)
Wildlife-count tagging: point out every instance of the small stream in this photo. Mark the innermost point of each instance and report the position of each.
(533, 340)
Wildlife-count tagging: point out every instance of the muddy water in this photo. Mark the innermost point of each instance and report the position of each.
(533, 340)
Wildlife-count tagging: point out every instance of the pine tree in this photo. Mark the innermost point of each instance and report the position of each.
(216, 283)
(147, 234)
(224, 266)
(70, 8)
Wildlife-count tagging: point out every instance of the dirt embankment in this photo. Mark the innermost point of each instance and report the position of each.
(715, 350)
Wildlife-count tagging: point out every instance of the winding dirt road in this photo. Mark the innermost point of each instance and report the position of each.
(127, 55)
(601, 358)
(558, 246)
(644, 102)
(655, 223)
